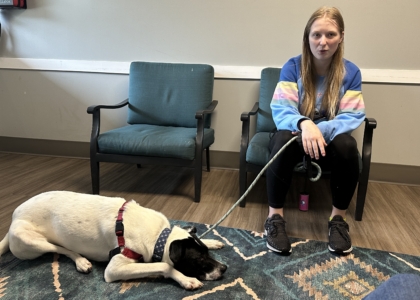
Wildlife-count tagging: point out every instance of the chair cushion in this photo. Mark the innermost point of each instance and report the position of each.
(169, 94)
(152, 140)
(258, 152)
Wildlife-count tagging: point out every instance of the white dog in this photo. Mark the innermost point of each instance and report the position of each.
(137, 241)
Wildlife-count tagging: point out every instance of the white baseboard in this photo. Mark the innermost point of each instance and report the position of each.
(221, 72)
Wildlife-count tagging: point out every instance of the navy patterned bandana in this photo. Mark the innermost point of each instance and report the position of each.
(160, 245)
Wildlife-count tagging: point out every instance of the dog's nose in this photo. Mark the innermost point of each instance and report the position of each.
(223, 268)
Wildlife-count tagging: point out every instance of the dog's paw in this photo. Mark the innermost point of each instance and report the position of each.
(213, 244)
(191, 283)
(83, 265)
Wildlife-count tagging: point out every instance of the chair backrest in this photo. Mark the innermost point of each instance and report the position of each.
(169, 94)
(269, 79)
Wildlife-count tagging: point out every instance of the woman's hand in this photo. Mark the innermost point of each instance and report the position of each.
(312, 140)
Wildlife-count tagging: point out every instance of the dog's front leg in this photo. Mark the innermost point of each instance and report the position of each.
(123, 268)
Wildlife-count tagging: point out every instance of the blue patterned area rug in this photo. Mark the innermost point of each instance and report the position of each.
(311, 272)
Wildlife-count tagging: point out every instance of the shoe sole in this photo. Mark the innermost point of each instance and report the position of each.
(344, 251)
(274, 249)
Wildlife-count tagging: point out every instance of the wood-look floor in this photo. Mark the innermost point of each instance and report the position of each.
(390, 219)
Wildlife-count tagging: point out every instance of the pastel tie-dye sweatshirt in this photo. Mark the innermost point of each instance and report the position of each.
(288, 97)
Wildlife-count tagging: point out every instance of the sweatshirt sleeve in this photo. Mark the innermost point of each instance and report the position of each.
(351, 109)
(285, 102)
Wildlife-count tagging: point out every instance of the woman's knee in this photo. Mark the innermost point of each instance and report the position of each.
(345, 146)
(290, 155)
(279, 139)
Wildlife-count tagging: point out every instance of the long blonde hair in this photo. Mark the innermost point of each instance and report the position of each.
(335, 74)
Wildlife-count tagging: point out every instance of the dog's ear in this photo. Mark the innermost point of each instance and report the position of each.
(198, 241)
(176, 251)
(190, 229)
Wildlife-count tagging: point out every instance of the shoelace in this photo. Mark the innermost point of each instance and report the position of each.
(341, 228)
(273, 226)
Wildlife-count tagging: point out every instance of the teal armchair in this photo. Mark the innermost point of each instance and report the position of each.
(254, 153)
(169, 110)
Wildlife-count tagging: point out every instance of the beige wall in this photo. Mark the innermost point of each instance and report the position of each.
(51, 105)
(378, 35)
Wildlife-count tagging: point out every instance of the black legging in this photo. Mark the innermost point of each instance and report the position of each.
(341, 157)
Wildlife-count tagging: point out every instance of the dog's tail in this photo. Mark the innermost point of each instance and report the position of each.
(4, 244)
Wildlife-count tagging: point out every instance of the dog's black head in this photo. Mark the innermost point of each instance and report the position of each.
(191, 257)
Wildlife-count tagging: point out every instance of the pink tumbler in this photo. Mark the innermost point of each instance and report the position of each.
(304, 202)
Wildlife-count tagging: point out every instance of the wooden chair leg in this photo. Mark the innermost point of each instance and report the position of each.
(198, 175)
(198, 178)
(242, 185)
(360, 201)
(370, 125)
(208, 159)
(94, 170)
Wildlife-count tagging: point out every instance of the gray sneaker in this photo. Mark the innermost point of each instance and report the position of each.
(275, 231)
(339, 238)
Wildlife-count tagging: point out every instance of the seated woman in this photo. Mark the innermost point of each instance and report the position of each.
(318, 96)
